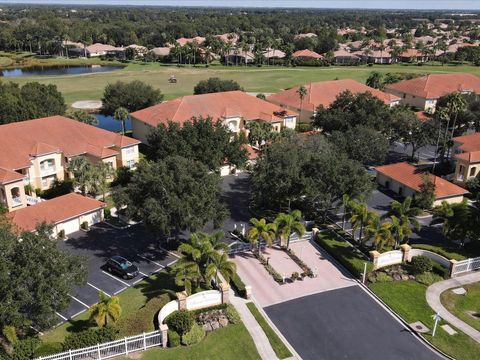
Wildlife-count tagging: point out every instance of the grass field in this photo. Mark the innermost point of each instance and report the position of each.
(463, 306)
(407, 299)
(277, 344)
(253, 79)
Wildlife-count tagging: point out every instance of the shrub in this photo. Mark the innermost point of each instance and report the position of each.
(427, 278)
(61, 234)
(84, 225)
(238, 285)
(107, 213)
(90, 337)
(440, 270)
(194, 336)
(173, 339)
(181, 321)
(57, 189)
(10, 334)
(232, 314)
(295, 275)
(49, 348)
(421, 264)
(383, 277)
(143, 320)
(24, 349)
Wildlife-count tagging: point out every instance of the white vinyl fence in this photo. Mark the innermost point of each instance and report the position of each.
(464, 266)
(111, 349)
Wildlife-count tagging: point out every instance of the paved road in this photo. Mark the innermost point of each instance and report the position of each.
(345, 324)
(100, 243)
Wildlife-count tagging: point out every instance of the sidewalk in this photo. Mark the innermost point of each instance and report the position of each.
(259, 338)
(433, 299)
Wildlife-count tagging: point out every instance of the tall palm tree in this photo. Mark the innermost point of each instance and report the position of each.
(220, 264)
(347, 208)
(82, 172)
(288, 224)
(186, 273)
(101, 173)
(359, 218)
(261, 230)
(405, 212)
(301, 92)
(121, 114)
(400, 230)
(108, 308)
(456, 104)
(380, 232)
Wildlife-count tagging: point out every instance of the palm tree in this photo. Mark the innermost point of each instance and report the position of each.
(261, 230)
(458, 219)
(108, 308)
(456, 104)
(360, 218)
(346, 202)
(380, 232)
(220, 264)
(400, 230)
(101, 173)
(287, 224)
(301, 92)
(405, 212)
(121, 114)
(82, 172)
(186, 273)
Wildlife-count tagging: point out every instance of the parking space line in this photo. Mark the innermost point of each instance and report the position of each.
(143, 274)
(154, 262)
(96, 288)
(113, 277)
(138, 280)
(170, 252)
(81, 302)
(80, 312)
(119, 291)
(63, 317)
(172, 262)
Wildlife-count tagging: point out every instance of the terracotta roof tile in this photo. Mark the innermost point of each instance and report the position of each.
(411, 177)
(20, 140)
(215, 105)
(434, 86)
(53, 211)
(8, 176)
(469, 142)
(307, 54)
(325, 92)
(471, 157)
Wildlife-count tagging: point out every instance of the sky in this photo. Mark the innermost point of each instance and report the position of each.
(368, 4)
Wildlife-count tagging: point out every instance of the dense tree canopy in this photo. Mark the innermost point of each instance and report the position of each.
(35, 278)
(30, 101)
(204, 140)
(172, 195)
(214, 85)
(307, 173)
(132, 96)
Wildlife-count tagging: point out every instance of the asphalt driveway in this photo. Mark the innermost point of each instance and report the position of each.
(345, 324)
(102, 242)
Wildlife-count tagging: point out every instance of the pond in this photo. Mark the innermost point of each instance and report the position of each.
(111, 124)
(58, 70)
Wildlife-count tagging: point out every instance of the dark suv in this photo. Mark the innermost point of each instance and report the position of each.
(121, 267)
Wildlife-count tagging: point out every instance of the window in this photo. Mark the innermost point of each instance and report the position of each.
(131, 164)
(130, 150)
(48, 164)
(473, 171)
(288, 120)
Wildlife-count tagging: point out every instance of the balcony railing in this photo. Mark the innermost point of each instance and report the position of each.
(45, 171)
(460, 178)
(32, 200)
(17, 201)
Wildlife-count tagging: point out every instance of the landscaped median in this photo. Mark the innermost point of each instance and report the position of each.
(277, 344)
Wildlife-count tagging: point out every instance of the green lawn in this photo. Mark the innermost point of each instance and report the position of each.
(407, 299)
(277, 344)
(460, 305)
(230, 343)
(252, 79)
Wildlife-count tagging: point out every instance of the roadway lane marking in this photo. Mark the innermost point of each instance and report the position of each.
(114, 277)
(81, 302)
(119, 291)
(99, 289)
(63, 317)
(154, 262)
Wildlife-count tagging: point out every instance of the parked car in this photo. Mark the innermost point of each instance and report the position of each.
(121, 267)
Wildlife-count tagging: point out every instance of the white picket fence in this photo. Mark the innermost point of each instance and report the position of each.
(111, 349)
(467, 265)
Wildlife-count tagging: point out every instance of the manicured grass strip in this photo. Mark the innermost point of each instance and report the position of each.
(449, 253)
(461, 305)
(407, 299)
(277, 344)
(229, 343)
(343, 252)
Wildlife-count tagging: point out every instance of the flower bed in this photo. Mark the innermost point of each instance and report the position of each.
(276, 276)
(307, 271)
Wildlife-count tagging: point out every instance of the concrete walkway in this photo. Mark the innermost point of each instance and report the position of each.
(433, 298)
(256, 332)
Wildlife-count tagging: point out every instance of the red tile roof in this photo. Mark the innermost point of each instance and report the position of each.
(409, 53)
(423, 116)
(215, 105)
(8, 176)
(411, 177)
(469, 142)
(471, 157)
(53, 211)
(325, 92)
(21, 140)
(434, 86)
(307, 54)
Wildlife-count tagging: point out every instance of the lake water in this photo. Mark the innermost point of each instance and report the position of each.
(111, 124)
(57, 70)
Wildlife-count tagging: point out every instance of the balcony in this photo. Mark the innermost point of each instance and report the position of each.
(17, 201)
(46, 171)
(460, 178)
(32, 200)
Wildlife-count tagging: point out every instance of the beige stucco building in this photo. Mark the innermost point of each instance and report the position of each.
(466, 151)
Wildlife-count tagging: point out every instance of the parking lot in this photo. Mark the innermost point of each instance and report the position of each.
(99, 244)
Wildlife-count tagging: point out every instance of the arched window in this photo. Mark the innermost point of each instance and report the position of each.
(232, 125)
(473, 170)
(47, 165)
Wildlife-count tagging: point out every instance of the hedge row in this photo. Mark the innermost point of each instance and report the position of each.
(238, 285)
